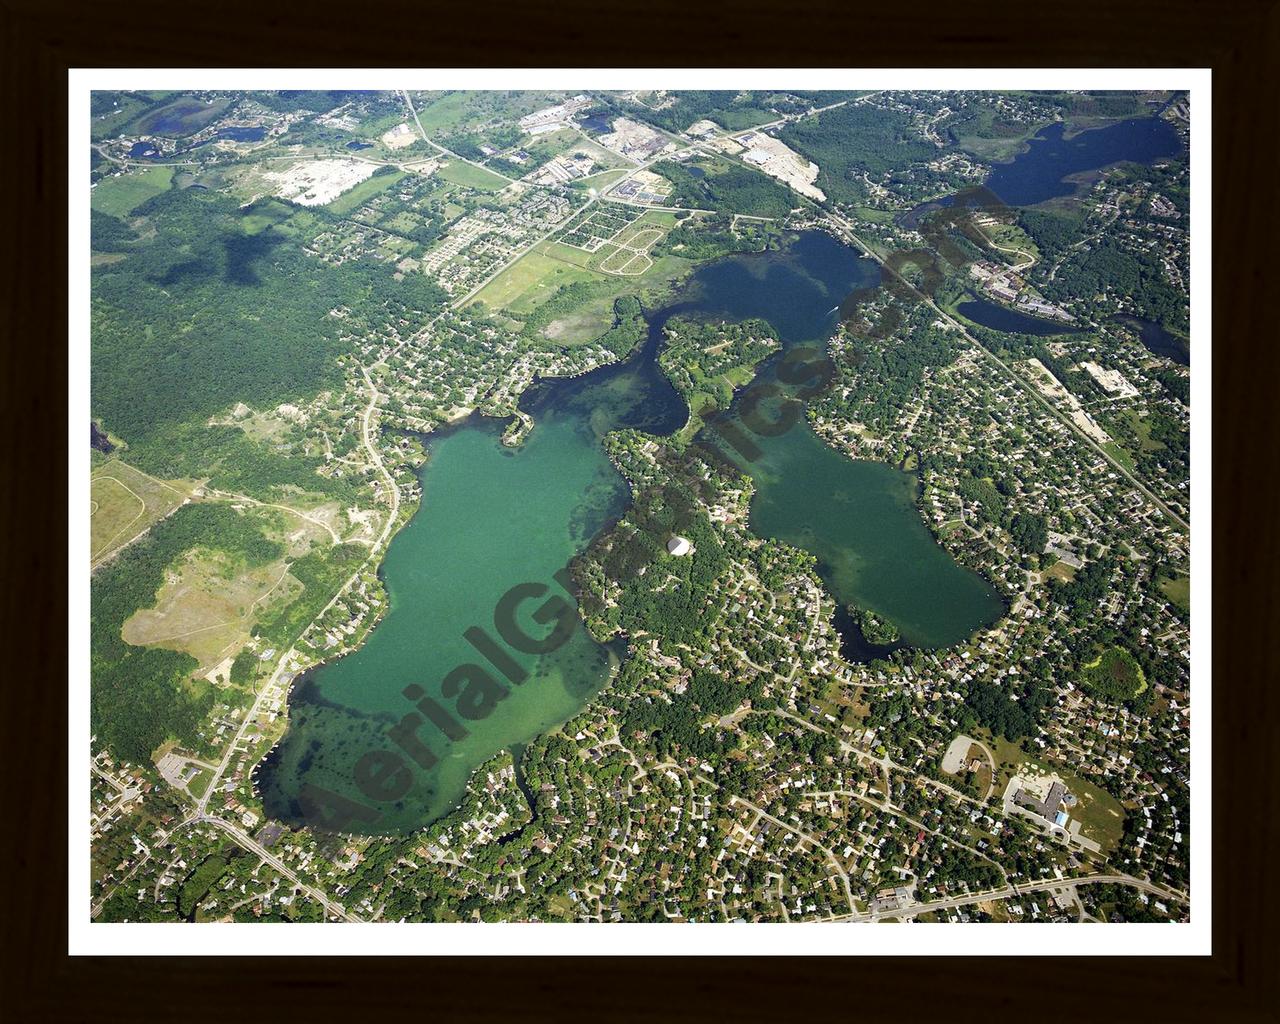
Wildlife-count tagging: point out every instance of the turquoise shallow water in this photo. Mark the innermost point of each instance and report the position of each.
(494, 518)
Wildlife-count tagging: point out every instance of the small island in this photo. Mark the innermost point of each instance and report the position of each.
(874, 629)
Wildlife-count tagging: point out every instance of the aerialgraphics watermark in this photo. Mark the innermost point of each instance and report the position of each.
(766, 408)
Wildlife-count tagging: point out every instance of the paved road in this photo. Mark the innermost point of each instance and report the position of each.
(216, 495)
(443, 149)
(521, 254)
(241, 837)
(1023, 889)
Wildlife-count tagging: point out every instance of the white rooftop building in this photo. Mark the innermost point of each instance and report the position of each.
(679, 546)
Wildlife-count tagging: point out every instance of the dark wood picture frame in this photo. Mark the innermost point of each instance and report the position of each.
(1238, 39)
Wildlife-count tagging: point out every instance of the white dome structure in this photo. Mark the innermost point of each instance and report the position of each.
(679, 546)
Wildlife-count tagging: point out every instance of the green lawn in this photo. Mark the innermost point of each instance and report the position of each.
(1178, 591)
(1142, 428)
(462, 173)
(122, 194)
(1100, 815)
(1121, 455)
(200, 783)
(600, 181)
(873, 215)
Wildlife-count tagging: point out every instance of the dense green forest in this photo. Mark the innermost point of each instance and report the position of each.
(1054, 232)
(735, 190)
(850, 140)
(677, 726)
(732, 110)
(992, 708)
(1108, 267)
(141, 696)
(629, 326)
(1030, 532)
(1114, 675)
(203, 315)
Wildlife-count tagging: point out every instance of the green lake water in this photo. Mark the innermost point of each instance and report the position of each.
(493, 518)
(857, 517)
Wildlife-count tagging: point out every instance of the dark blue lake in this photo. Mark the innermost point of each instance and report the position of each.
(1037, 174)
(240, 134)
(1157, 340)
(1001, 318)
(357, 144)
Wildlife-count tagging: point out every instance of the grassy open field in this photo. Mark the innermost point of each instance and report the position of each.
(459, 110)
(265, 215)
(462, 173)
(869, 213)
(535, 278)
(206, 609)
(600, 181)
(1121, 455)
(363, 192)
(1061, 571)
(531, 280)
(123, 193)
(1008, 756)
(123, 502)
(985, 777)
(590, 320)
(1142, 428)
(1010, 236)
(583, 325)
(993, 148)
(199, 783)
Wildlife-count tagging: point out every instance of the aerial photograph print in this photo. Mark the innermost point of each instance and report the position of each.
(654, 505)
